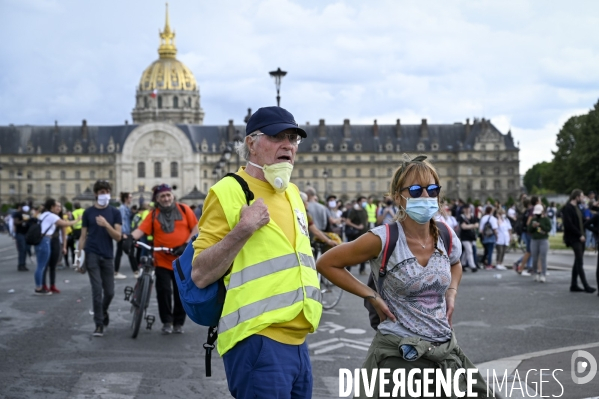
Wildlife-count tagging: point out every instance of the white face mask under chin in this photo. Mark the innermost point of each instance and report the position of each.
(277, 174)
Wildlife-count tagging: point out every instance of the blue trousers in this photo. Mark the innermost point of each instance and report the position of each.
(42, 253)
(259, 367)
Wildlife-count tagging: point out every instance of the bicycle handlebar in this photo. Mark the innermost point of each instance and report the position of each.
(156, 249)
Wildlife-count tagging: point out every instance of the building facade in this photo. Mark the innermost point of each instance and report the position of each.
(168, 143)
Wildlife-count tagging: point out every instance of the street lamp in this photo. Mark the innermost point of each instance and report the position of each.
(325, 175)
(0, 184)
(19, 177)
(278, 75)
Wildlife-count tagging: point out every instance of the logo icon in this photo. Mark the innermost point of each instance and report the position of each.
(579, 366)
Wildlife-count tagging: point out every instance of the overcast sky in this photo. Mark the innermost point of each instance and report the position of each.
(526, 65)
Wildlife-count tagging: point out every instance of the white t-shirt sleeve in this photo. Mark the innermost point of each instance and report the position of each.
(494, 223)
(48, 222)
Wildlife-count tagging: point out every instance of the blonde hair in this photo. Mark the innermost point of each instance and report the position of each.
(422, 169)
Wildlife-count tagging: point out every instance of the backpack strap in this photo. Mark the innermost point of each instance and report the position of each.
(222, 291)
(446, 236)
(390, 243)
(249, 195)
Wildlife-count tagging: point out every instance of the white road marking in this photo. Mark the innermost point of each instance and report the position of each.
(355, 331)
(336, 343)
(331, 312)
(106, 386)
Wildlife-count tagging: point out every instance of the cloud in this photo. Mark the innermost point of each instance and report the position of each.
(525, 64)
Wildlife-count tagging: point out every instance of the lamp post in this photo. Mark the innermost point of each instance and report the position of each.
(325, 175)
(278, 75)
(19, 177)
(0, 184)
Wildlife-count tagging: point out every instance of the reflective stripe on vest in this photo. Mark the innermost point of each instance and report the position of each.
(268, 267)
(266, 305)
(271, 280)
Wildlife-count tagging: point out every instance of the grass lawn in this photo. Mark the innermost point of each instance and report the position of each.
(555, 242)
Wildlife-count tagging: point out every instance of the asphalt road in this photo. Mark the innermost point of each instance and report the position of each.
(47, 350)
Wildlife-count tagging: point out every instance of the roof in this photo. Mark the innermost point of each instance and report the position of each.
(110, 139)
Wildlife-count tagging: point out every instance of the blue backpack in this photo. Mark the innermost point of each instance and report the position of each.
(203, 305)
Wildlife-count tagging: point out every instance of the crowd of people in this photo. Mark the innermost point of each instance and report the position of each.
(263, 252)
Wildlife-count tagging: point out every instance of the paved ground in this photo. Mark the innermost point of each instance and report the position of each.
(505, 324)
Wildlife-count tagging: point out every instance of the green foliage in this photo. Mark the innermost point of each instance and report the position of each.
(536, 176)
(69, 206)
(544, 201)
(5, 208)
(576, 162)
(510, 201)
(476, 202)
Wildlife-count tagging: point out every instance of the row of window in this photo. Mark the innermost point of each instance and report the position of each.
(11, 160)
(175, 102)
(63, 174)
(29, 189)
(141, 169)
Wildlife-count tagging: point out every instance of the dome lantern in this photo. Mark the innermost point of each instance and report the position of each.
(167, 47)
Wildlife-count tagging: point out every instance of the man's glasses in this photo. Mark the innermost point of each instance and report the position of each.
(416, 190)
(293, 138)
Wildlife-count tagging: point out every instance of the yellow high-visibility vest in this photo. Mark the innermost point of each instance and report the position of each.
(76, 214)
(271, 281)
(371, 211)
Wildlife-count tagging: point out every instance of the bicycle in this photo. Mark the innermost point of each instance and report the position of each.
(139, 296)
(329, 292)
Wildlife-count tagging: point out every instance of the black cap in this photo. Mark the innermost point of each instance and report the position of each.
(272, 121)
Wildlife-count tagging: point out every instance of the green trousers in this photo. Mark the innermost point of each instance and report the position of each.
(384, 353)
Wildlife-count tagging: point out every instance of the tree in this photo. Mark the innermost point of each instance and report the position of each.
(535, 176)
(576, 162)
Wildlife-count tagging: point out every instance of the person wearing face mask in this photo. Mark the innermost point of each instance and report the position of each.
(263, 254)
(172, 225)
(416, 300)
(574, 237)
(357, 224)
(101, 224)
(388, 212)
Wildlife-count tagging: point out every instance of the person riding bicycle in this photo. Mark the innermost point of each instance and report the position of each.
(102, 224)
(263, 252)
(172, 224)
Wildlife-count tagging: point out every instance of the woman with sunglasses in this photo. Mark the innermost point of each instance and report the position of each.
(416, 301)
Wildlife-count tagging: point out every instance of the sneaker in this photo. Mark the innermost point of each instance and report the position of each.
(525, 273)
(136, 274)
(177, 329)
(542, 279)
(167, 328)
(45, 287)
(106, 319)
(537, 277)
(99, 331)
(489, 267)
(500, 267)
(54, 289)
(42, 292)
(119, 276)
(23, 268)
(474, 269)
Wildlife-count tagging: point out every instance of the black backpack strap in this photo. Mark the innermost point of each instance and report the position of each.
(446, 236)
(249, 195)
(388, 248)
(222, 291)
(209, 346)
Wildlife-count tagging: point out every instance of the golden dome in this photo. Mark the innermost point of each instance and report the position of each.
(167, 73)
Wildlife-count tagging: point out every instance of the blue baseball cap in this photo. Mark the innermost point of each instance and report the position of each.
(272, 121)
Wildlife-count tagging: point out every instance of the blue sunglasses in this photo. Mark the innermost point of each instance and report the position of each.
(415, 190)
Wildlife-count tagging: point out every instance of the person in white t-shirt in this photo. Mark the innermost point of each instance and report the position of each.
(504, 237)
(488, 230)
(49, 222)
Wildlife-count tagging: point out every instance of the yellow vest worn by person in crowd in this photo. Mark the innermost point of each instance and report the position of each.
(76, 214)
(371, 211)
(271, 281)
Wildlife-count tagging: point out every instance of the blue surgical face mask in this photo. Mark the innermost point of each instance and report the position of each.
(422, 209)
(364, 204)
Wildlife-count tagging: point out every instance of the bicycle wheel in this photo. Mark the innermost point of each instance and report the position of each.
(330, 293)
(140, 307)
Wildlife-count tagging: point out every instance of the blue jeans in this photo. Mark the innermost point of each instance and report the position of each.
(527, 240)
(42, 253)
(21, 248)
(258, 367)
(489, 249)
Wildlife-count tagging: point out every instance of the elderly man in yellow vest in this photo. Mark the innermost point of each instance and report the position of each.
(263, 251)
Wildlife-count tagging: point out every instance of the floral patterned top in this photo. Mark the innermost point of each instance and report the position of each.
(415, 294)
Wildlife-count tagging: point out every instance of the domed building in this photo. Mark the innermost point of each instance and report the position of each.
(167, 90)
(168, 143)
